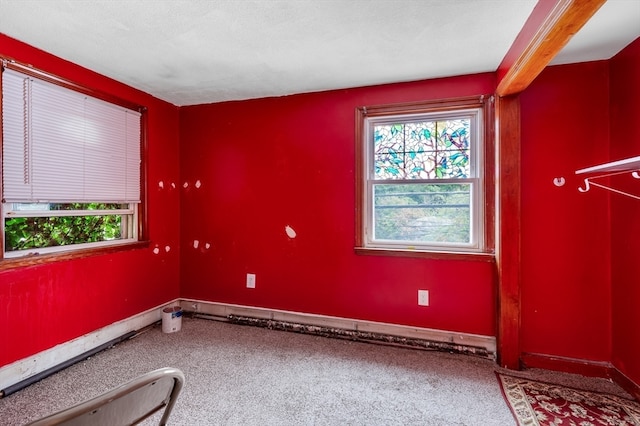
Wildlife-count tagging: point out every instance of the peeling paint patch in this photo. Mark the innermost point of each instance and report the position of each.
(173, 185)
(185, 185)
(161, 185)
(167, 249)
(198, 183)
(196, 243)
(207, 246)
(291, 233)
(156, 250)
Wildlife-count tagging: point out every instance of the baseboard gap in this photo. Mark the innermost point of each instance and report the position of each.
(68, 363)
(362, 336)
(145, 329)
(625, 382)
(207, 316)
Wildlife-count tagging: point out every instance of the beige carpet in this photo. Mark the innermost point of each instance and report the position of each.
(241, 375)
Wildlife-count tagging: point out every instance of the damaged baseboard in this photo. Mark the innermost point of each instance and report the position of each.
(37, 366)
(345, 328)
(361, 336)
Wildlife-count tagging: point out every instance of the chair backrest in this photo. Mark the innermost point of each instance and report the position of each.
(127, 404)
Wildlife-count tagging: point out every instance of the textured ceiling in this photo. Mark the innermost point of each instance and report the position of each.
(610, 30)
(202, 51)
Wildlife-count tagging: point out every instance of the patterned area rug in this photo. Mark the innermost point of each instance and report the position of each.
(537, 403)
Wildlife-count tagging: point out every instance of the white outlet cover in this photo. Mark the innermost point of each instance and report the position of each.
(251, 280)
(423, 297)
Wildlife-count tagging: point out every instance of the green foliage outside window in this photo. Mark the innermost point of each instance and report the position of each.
(23, 233)
(433, 213)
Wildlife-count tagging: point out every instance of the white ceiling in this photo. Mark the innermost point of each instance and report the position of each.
(610, 30)
(201, 51)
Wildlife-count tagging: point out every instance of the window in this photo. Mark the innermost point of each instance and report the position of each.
(422, 177)
(70, 168)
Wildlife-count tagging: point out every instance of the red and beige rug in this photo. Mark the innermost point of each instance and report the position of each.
(537, 403)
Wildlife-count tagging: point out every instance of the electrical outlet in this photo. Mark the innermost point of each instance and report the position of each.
(251, 280)
(423, 297)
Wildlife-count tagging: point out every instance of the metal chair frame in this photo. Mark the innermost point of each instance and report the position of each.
(128, 404)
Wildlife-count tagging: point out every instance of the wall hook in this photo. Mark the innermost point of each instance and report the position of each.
(586, 186)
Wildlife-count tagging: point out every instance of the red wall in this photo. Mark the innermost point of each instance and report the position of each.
(45, 305)
(268, 163)
(565, 292)
(625, 211)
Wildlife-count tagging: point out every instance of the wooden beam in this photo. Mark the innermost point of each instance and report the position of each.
(564, 20)
(508, 238)
(550, 27)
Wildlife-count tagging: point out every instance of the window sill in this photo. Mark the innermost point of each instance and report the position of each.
(40, 259)
(440, 255)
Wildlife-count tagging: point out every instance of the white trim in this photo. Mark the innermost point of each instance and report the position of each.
(476, 180)
(27, 367)
(33, 251)
(223, 310)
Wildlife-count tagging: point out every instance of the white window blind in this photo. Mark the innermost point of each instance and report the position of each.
(62, 146)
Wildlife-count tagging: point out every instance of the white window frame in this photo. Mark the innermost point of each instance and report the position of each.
(371, 116)
(128, 228)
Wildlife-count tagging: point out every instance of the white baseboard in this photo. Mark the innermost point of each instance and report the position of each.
(223, 310)
(43, 361)
(27, 367)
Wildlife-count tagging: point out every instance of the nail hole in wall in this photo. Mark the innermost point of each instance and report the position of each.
(291, 233)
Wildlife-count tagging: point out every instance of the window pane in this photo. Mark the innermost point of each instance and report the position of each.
(453, 149)
(422, 150)
(423, 213)
(22, 233)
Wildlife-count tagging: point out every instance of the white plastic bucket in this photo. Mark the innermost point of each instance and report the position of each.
(171, 319)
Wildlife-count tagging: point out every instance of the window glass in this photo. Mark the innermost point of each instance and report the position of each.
(423, 180)
(37, 227)
(422, 150)
(422, 213)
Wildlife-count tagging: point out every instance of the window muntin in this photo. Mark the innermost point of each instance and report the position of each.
(423, 181)
(71, 169)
